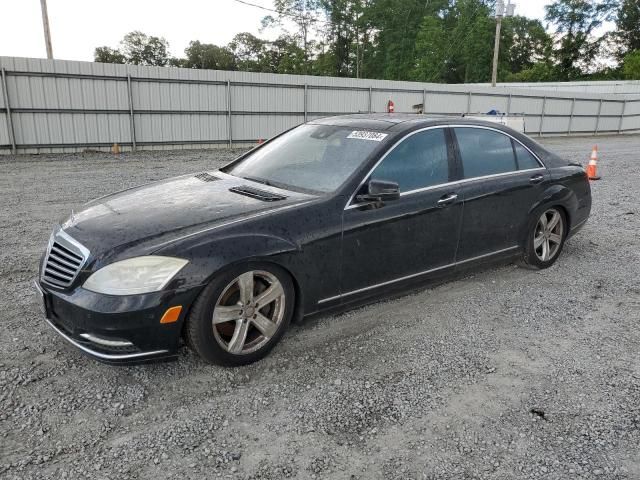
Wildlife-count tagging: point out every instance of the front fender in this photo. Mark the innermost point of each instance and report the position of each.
(207, 256)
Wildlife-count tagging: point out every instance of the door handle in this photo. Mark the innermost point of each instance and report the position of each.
(536, 178)
(447, 200)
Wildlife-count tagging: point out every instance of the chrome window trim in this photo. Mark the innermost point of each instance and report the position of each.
(414, 275)
(483, 127)
(349, 205)
(457, 182)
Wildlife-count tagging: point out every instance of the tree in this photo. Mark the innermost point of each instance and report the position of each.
(208, 56)
(456, 46)
(305, 15)
(108, 55)
(431, 59)
(395, 25)
(576, 21)
(538, 72)
(628, 27)
(249, 52)
(631, 65)
(525, 43)
(285, 56)
(141, 49)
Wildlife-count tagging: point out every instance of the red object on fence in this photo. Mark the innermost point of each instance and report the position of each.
(391, 107)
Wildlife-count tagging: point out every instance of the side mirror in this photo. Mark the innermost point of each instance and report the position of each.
(380, 191)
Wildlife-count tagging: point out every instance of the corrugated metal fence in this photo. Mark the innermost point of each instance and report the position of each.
(57, 105)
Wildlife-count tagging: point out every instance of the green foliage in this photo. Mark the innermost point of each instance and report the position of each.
(448, 41)
(108, 55)
(141, 49)
(525, 43)
(136, 48)
(631, 65)
(628, 27)
(208, 56)
(576, 21)
(538, 72)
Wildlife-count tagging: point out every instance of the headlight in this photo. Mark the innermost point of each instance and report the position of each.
(135, 275)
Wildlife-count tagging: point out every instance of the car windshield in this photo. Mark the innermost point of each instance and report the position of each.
(317, 158)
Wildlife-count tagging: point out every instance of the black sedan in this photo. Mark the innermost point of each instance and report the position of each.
(334, 212)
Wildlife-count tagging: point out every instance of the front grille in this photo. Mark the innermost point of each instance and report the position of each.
(64, 260)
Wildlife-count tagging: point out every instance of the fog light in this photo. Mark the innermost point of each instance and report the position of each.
(171, 315)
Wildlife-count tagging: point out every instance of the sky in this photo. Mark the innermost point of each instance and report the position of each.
(79, 26)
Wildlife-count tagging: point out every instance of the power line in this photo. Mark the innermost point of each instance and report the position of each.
(290, 15)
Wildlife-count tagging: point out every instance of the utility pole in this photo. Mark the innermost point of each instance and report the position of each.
(500, 12)
(47, 31)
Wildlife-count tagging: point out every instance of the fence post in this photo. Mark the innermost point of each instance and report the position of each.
(424, 101)
(598, 118)
(573, 108)
(306, 107)
(229, 133)
(370, 98)
(624, 111)
(509, 104)
(132, 125)
(469, 103)
(5, 94)
(544, 106)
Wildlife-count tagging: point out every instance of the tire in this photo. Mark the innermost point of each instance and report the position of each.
(546, 235)
(237, 320)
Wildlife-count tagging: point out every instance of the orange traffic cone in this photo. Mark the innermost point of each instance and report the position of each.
(592, 168)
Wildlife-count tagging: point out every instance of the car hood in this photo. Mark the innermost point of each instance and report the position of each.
(157, 213)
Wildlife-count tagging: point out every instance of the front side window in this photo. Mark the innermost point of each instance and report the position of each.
(419, 161)
(316, 158)
(485, 152)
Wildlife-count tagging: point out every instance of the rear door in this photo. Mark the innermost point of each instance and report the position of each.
(500, 180)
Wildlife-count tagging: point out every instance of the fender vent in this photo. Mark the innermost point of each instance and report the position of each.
(206, 177)
(252, 192)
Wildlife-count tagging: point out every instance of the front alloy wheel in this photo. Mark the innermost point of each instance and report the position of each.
(248, 312)
(241, 315)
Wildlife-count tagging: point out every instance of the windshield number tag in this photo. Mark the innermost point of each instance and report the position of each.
(373, 136)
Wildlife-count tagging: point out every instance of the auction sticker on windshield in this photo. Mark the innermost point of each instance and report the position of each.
(362, 135)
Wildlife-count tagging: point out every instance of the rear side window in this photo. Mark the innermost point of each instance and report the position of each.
(485, 152)
(525, 159)
(419, 161)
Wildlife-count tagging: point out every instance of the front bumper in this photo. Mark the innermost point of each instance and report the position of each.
(117, 329)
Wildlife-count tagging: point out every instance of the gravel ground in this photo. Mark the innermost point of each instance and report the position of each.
(507, 373)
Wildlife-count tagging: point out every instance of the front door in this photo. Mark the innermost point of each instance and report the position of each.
(402, 239)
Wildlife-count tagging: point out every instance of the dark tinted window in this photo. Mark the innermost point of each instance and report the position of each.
(525, 159)
(419, 161)
(485, 152)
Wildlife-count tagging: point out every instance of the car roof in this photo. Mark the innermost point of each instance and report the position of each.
(398, 122)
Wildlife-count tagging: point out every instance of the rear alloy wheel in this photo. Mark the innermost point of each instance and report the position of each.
(546, 239)
(549, 235)
(241, 316)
